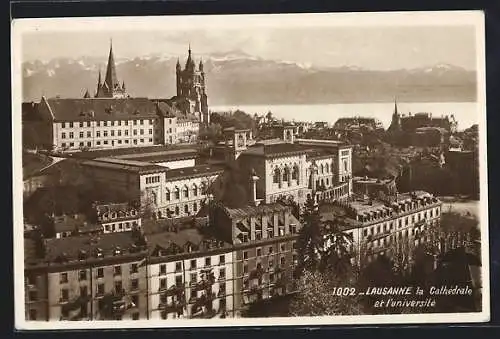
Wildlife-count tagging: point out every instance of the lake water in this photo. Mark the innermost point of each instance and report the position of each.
(466, 113)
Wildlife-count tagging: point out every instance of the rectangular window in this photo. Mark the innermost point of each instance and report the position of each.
(126, 122)
(112, 132)
(81, 134)
(270, 250)
(163, 269)
(222, 273)
(163, 283)
(83, 275)
(134, 284)
(135, 316)
(178, 280)
(134, 268)
(83, 291)
(117, 270)
(193, 264)
(64, 294)
(98, 134)
(63, 278)
(259, 252)
(70, 125)
(112, 123)
(150, 131)
(100, 272)
(193, 278)
(118, 286)
(63, 125)
(105, 133)
(33, 295)
(105, 123)
(178, 266)
(119, 133)
(88, 123)
(100, 289)
(135, 132)
(208, 261)
(141, 132)
(63, 135)
(245, 254)
(222, 260)
(245, 269)
(71, 135)
(126, 132)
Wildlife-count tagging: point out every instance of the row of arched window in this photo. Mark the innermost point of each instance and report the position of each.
(177, 211)
(326, 168)
(285, 174)
(185, 192)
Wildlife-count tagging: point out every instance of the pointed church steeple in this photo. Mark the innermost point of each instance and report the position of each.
(86, 95)
(111, 79)
(395, 106)
(190, 62)
(200, 66)
(110, 87)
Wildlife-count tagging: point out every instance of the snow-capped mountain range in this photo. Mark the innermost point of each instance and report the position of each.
(234, 77)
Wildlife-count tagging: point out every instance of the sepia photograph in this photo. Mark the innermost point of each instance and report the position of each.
(250, 170)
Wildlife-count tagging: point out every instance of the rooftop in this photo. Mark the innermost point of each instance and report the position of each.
(249, 210)
(103, 245)
(275, 149)
(163, 155)
(200, 170)
(100, 109)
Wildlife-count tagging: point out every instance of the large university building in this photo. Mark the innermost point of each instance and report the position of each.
(111, 118)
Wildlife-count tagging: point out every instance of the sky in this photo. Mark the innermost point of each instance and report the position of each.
(370, 47)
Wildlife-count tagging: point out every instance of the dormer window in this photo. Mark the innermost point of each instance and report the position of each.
(117, 251)
(99, 253)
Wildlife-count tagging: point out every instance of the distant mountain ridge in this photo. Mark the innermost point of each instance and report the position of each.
(236, 78)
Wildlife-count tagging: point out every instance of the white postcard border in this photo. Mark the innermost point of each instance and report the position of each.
(22, 26)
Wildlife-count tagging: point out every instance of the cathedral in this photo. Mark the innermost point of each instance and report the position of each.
(111, 87)
(191, 98)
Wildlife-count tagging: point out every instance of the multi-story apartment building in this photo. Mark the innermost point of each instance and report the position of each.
(169, 273)
(87, 278)
(118, 217)
(264, 243)
(380, 226)
(190, 275)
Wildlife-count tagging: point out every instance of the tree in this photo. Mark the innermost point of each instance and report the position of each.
(310, 241)
(316, 297)
(290, 201)
(336, 256)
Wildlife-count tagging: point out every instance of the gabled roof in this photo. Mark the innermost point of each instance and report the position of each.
(100, 109)
(247, 211)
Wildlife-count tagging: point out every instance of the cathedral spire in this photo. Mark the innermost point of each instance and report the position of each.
(189, 62)
(111, 80)
(395, 105)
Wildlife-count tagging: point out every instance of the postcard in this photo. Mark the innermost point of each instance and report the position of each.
(250, 170)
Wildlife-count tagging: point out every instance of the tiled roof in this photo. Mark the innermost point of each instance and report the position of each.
(71, 247)
(124, 165)
(165, 155)
(195, 171)
(130, 151)
(246, 211)
(181, 239)
(68, 223)
(271, 150)
(100, 109)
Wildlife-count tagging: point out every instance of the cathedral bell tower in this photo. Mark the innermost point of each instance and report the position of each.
(191, 87)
